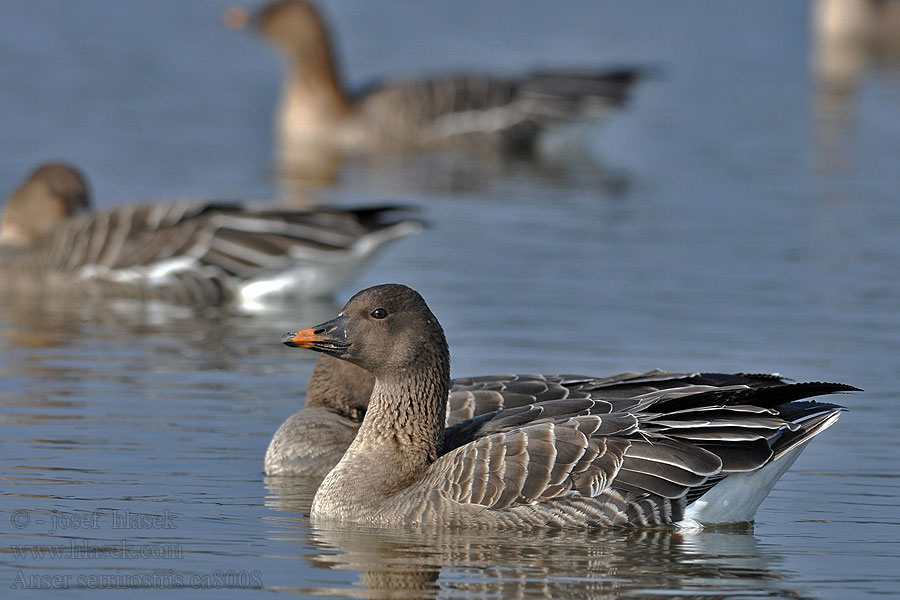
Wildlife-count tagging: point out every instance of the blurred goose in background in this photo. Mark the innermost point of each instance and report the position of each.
(692, 456)
(312, 440)
(183, 252)
(473, 111)
(849, 40)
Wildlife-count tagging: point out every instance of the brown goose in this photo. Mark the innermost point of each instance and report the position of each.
(312, 440)
(693, 455)
(183, 252)
(472, 111)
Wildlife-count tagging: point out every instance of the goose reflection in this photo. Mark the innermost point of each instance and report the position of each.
(49, 322)
(57, 356)
(607, 563)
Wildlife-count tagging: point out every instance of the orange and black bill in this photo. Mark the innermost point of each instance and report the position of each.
(329, 337)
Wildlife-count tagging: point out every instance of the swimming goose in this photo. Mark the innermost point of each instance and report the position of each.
(474, 111)
(312, 440)
(692, 456)
(183, 252)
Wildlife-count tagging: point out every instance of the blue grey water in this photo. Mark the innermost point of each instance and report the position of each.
(739, 216)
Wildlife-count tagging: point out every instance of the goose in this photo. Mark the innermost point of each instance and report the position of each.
(311, 441)
(691, 456)
(471, 111)
(186, 252)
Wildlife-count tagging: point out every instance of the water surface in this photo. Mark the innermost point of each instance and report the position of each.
(739, 216)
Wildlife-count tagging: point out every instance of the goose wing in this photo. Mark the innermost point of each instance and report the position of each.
(511, 109)
(199, 246)
(644, 464)
(474, 396)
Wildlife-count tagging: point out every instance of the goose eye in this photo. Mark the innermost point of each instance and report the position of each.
(379, 313)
